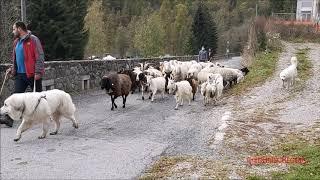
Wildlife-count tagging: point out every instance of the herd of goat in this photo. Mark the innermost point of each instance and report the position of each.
(183, 79)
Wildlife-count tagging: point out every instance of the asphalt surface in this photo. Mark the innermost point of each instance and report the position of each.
(117, 144)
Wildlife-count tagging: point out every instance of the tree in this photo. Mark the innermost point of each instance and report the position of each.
(9, 13)
(283, 6)
(166, 17)
(149, 36)
(122, 42)
(59, 25)
(204, 31)
(181, 29)
(94, 25)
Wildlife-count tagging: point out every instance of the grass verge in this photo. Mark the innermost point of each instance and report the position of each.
(296, 145)
(304, 68)
(186, 167)
(301, 148)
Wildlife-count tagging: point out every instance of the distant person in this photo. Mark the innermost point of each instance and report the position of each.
(203, 55)
(28, 62)
(210, 53)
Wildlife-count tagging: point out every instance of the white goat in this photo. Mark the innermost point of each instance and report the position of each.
(155, 85)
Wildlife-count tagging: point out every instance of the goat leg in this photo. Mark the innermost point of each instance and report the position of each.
(124, 101)
(112, 100)
(142, 90)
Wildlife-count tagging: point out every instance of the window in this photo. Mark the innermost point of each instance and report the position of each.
(305, 15)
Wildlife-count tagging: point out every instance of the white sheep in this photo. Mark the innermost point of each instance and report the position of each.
(229, 75)
(194, 70)
(155, 85)
(182, 91)
(180, 71)
(154, 72)
(203, 74)
(208, 91)
(217, 80)
(206, 64)
(288, 75)
(212, 88)
(167, 67)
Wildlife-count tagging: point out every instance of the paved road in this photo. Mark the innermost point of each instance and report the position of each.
(110, 144)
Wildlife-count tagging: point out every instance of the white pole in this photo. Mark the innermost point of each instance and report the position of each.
(23, 11)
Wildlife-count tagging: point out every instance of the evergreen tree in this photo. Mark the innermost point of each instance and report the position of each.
(204, 31)
(59, 25)
(122, 42)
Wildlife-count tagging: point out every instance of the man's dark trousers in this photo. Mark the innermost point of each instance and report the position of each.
(22, 83)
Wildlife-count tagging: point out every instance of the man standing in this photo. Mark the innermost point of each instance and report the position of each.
(28, 62)
(203, 55)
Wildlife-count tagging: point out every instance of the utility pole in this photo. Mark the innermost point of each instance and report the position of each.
(23, 11)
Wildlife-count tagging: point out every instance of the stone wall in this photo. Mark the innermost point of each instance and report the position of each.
(79, 75)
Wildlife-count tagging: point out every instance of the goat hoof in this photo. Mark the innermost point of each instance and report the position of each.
(16, 139)
(123, 106)
(142, 98)
(41, 137)
(150, 97)
(176, 108)
(112, 109)
(75, 126)
(54, 133)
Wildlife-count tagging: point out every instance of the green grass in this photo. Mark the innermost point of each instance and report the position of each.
(261, 69)
(295, 146)
(255, 178)
(304, 40)
(304, 64)
(310, 152)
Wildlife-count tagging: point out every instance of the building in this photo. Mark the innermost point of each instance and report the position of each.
(307, 10)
